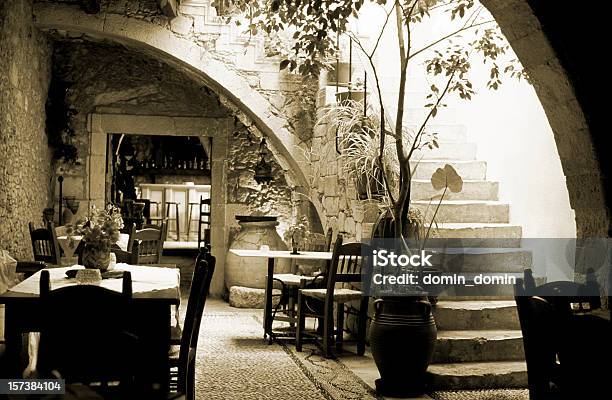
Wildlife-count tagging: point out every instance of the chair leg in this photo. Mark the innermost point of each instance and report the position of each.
(328, 331)
(301, 320)
(362, 324)
(340, 327)
(189, 221)
(178, 229)
(290, 310)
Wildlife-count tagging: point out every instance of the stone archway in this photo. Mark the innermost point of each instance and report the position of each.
(556, 93)
(175, 49)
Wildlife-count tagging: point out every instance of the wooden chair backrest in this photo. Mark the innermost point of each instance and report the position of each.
(147, 244)
(85, 332)
(346, 265)
(204, 222)
(566, 296)
(544, 312)
(200, 285)
(536, 316)
(44, 244)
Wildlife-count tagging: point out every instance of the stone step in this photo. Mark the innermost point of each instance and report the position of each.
(472, 190)
(465, 211)
(476, 298)
(492, 235)
(468, 235)
(476, 315)
(478, 375)
(478, 346)
(491, 286)
(468, 170)
(445, 132)
(448, 151)
(482, 260)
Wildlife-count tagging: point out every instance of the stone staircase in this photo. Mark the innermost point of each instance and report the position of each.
(479, 339)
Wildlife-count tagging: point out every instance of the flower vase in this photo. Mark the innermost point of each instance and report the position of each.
(94, 257)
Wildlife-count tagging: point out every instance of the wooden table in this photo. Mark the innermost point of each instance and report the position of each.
(154, 292)
(272, 255)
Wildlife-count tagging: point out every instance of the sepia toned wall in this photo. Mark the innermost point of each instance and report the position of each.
(25, 159)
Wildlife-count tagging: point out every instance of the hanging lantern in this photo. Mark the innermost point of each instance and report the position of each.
(263, 170)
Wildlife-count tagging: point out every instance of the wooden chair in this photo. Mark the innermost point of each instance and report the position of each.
(85, 333)
(182, 376)
(194, 294)
(561, 338)
(290, 283)
(204, 222)
(44, 244)
(150, 244)
(344, 269)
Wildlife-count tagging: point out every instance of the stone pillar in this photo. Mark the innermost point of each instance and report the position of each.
(96, 162)
(219, 232)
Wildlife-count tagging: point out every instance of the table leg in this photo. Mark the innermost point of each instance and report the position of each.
(268, 307)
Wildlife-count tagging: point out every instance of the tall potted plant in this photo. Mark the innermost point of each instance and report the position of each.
(315, 27)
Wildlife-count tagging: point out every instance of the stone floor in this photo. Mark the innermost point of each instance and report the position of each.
(363, 367)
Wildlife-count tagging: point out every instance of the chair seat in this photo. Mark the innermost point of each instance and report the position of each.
(340, 295)
(291, 279)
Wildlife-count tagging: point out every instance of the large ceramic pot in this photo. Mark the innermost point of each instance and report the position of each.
(94, 257)
(249, 271)
(402, 338)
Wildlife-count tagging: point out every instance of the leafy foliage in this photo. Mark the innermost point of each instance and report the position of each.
(101, 228)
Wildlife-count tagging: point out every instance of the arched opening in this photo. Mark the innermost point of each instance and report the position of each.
(556, 91)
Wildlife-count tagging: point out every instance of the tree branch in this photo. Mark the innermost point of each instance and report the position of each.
(380, 34)
(450, 35)
(439, 99)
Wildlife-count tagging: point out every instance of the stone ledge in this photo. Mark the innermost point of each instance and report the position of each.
(245, 297)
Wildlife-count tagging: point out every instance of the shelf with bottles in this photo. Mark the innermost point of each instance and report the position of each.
(171, 166)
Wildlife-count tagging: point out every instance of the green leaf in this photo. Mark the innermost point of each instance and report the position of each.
(438, 179)
(284, 64)
(447, 177)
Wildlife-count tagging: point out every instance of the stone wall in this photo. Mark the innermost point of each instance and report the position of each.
(140, 85)
(25, 159)
(340, 207)
(244, 195)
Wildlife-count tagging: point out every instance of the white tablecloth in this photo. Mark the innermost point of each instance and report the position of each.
(8, 274)
(8, 278)
(144, 279)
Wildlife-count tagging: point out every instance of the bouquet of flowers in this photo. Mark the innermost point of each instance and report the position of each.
(297, 234)
(101, 228)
